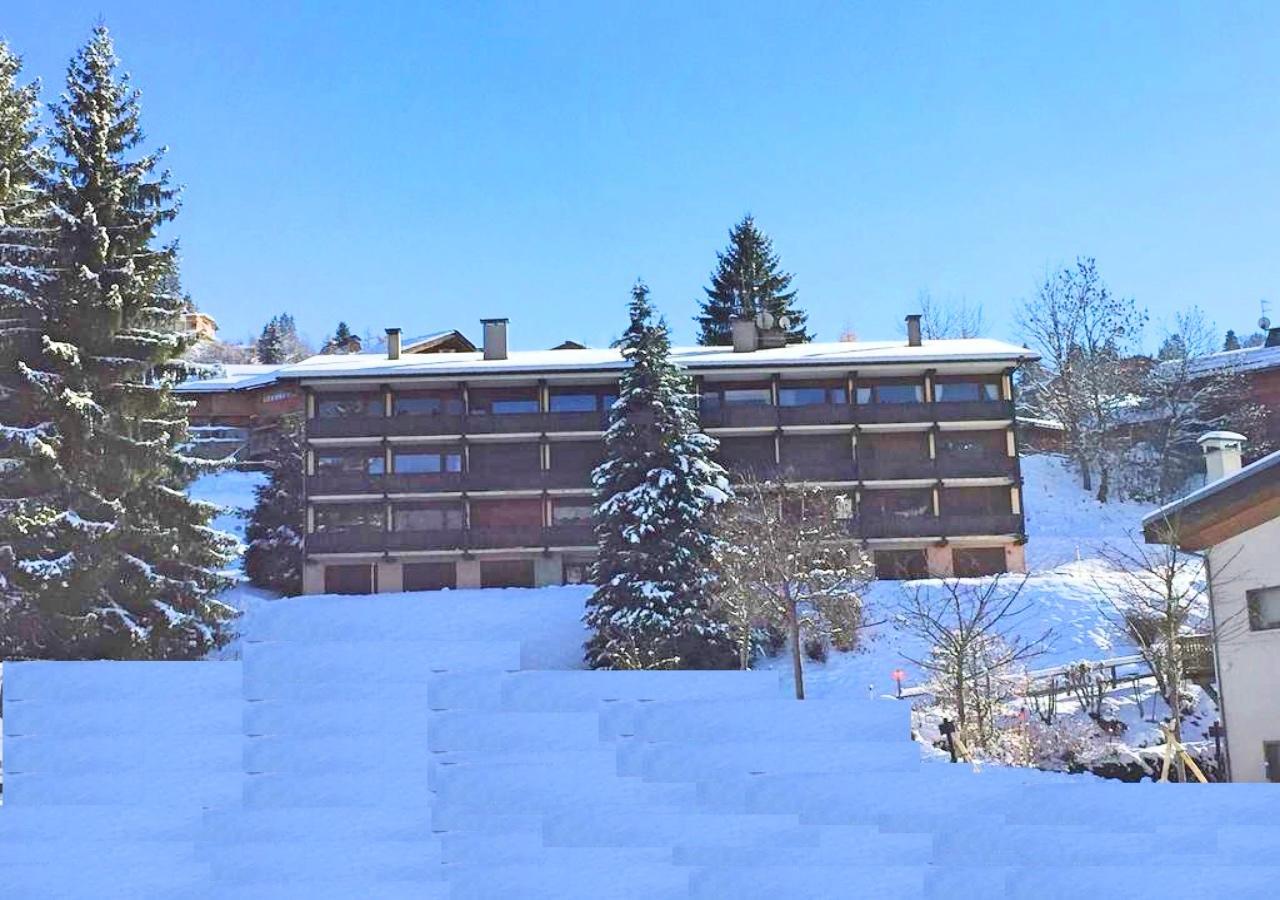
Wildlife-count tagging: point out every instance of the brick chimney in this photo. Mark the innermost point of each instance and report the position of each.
(1221, 453)
(393, 343)
(913, 330)
(746, 337)
(495, 338)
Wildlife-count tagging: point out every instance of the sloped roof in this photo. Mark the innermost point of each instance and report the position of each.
(1250, 359)
(232, 377)
(1220, 509)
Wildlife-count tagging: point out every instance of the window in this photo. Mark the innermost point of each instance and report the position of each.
(348, 579)
(348, 517)
(974, 562)
(503, 401)
(811, 396)
(568, 512)
(411, 462)
(748, 397)
(976, 501)
(574, 402)
(505, 459)
(577, 572)
(1271, 759)
(901, 564)
(1264, 610)
(430, 576)
(427, 517)
(506, 513)
(898, 393)
(500, 573)
(427, 403)
(971, 444)
(899, 504)
(350, 463)
(967, 390)
(343, 406)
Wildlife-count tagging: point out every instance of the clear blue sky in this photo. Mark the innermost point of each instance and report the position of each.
(424, 164)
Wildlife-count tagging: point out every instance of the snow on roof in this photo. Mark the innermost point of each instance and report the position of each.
(1253, 470)
(231, 377)
(848, 354)
(1250, 359)
(407, 344)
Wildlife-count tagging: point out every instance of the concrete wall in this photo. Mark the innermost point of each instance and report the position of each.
(1248, 661)
(313, 578)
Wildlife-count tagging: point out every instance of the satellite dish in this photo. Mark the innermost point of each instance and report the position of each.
(1264, 323)
(764, 320)
(784, 322)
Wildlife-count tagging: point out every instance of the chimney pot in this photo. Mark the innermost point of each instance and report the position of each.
(1221, 453)
(495, 338)
(393, 343)
(746, 337)
(913, 330)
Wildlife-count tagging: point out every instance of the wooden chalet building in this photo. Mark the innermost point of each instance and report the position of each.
(473, 469)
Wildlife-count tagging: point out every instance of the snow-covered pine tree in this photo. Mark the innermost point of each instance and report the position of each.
(271, 343)
(1231, 342)
(108, 554)
(748, 278)
(655, 496)
(25, 444)
(273, 559)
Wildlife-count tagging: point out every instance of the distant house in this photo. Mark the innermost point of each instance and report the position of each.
(202, 325)
(1260, 367)
(1235, 521)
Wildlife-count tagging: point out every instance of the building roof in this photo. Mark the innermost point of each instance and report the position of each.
(845, 355)
(1250, 359)
(1221, 509)
(231, 377)
(424, 343)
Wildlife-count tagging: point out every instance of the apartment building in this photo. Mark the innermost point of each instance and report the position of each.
(473, 469)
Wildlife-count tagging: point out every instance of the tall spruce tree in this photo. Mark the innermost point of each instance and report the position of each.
(748, 279)
(656, 493)
(104, 550)
(271, 343)
(1231, 342)
(273, 559)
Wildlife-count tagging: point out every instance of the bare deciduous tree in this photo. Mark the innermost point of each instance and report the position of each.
(1087, 377)
(951, 318)
(974, 649)
(789, 562)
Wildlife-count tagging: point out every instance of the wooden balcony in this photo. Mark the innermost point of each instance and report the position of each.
(973, 410)
(488, 538)
(881, 525)
(739, 417)
(435, 425)
(893, 413)
(817, 414)
(977, 466)
(347, 427)
(887, 469)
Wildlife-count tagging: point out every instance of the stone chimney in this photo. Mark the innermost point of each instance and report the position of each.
(1273, 337)
(393, 343)
(746, 337)
(495, 338)
(913, 330)
(1221, 453)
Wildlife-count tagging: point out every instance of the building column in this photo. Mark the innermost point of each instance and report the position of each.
(548, 570)
(390, 577)
(938, 558)
(1015, 557)
(313, 578)
(468, 573)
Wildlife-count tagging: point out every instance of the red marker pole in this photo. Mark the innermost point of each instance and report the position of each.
(897, 676)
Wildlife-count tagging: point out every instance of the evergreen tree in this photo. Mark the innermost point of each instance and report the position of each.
(273, 559)
(103, 550)
(748, 278)
(271, 343)
(655, 493)
(1232, 342)
(343, 341)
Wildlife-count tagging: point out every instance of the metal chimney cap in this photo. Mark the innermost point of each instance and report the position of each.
(393, 331)
(494, 321)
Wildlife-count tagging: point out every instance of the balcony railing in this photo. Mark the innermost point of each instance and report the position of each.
(976, 466)
(484, 538)
(887, 525)
(720, 417)
(447, 482)
(888, 468)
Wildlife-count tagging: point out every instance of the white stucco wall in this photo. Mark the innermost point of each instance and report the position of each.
(1248, 661)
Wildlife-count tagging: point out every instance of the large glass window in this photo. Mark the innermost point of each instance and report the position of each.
(426, 403)
(503, 401)
(349, 516)
(811, 396)
(427, 517)
(899, 503)
(967, 390)
(891, 392)
(568, 512)
(1264, 608)
(565, 402)
(350, 463)
(412, 462)
(748, 397)
(972, 444)
(976, 501)
(344, 406)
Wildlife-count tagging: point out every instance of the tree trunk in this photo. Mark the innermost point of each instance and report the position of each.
(1086, 474)
(797, 665)
(1104, 484)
